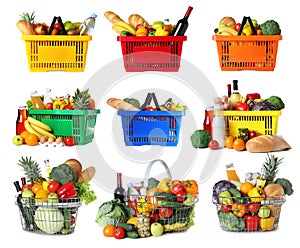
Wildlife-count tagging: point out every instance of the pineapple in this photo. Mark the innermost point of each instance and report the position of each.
(270, 168)
(28, 18)
(82, 99)
(32, 170)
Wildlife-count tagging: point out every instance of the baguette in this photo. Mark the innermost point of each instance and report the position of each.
(26, 28)
(267, 143)
(136, 19)
(112, 17)
(120, 104)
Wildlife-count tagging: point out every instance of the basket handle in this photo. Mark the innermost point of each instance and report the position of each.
(245, 19)
(146, 177)
(58, 19)
(149, 98)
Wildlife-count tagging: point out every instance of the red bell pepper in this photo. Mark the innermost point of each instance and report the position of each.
(242, 106)
(177, 188)
(67, 191)
(253, 96)
(252, 222)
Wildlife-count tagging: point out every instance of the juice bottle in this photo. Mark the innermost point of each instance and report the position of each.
(37, 102)
(22, 116)
(208, 119)
(231, 173)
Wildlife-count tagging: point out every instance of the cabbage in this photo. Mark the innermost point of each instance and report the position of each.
(49, 220)
(220, 187)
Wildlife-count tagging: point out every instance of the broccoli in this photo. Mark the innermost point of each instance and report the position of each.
(276, 101)
(152, 183)
(286, 184)
(200, 138)
(133, 102)
(270, 27)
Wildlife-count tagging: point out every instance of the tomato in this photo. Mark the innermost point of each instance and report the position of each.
(138, 26)
(119, 233)
(213, 144)
(53, 186)
(237, 26)
(253, 207)
(57, 26)
(49, 105)
(226, 208)
(242, 106)
(69, 141)
(73, 220)
(165, 212)
(181, 196)
(253, 134)
(109, 230)
(154, 217)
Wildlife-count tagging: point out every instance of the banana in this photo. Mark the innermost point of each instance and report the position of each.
(125, 26)
(30, 129)
(228, 29)
(118, 29)
(42, 131)
(39, 124)
(224, 33)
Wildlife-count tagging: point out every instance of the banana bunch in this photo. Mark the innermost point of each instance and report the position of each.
(120, 26)
(224, 30)
(38, 128)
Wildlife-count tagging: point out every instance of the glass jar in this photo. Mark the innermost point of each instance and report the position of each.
(143, 225)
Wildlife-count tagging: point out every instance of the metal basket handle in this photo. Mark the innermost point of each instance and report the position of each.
(146, 177)
(245, 19)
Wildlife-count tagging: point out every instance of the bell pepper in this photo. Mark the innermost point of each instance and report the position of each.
(190, 187)
(177, 188)
(239, 210)
(256, 194)
(157, 24)
(267, 224)
(161, 32)
(165, 185)
(242, 106)
(226, 208)
(253, 96)
(252, 222)
(141, 32)
(58, 104)
(67, 191)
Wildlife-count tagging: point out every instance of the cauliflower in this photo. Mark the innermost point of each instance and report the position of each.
(270, 27)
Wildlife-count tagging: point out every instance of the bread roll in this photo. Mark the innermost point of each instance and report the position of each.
(136, 19)
(228, 21)
(273, 189)
(87, 174)
(120, 104)
(112, 17)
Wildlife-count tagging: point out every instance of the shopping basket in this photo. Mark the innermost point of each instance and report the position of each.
(49, 218)
(151, 127)
(151, 53)
(79, 124)
(182, 213)
(253, 52)
(264, 122)
(236, 217)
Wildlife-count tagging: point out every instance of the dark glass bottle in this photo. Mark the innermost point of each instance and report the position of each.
(182, 24)
(120, 192)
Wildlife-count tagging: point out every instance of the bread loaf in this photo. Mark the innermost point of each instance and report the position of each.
(112, 17)
(136, 19)
(120, 104)
(267, 143)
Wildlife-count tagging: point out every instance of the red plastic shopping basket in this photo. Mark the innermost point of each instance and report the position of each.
(151, 53)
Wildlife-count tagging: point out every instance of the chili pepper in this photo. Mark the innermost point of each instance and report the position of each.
(267, 224)
(252, 222)
(141, 32)
(239, 210)
(62, 190)
(161, 32)
(190, 187)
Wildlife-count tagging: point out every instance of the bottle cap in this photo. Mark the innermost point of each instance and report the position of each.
(229, 166)
(94, 15)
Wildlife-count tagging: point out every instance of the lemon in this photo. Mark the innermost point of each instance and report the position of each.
(133, 221)
(45, 185)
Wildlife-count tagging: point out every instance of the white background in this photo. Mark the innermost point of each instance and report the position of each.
(200, 50)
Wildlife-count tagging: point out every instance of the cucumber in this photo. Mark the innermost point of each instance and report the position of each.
(126, 227)
(132, 234)
(171, 204)
(166, 196)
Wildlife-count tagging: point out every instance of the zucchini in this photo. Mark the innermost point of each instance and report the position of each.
(132, 234)
(170, 204)
(126, 227)
(166, 196)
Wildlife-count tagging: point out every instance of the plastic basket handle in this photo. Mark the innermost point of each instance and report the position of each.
(149, 168)
(57, 19)
(149, 98)
(245, 19)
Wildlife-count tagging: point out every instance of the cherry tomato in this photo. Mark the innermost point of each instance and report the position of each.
(69, 141)
(237, 26)
(57, 26)
(226, 208)
(213, 144)
(165, 212)
(253, 134)
(119, 233)
(253, 207)
(49, 105)
(53, 186)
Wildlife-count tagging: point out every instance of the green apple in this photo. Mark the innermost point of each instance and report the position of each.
(156, 229)
(264, 212)
(225, 197)
(18, 140)
(53, 198)
(27, 193)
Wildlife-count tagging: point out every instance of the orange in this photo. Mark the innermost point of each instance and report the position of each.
(41, 196)
(36, 187)
(31, 139)
(239, 144)
(24, 134)
(246, 187)
(108, 230)
(229, 142)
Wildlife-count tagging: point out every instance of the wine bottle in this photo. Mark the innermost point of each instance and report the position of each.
(182, 24)
(120, 192)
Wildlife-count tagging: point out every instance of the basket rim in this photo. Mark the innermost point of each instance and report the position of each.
(246, 38)
(252, 113)
(268, 200)
(150, 38)
(56, 37)
(150, 113)
(64, 112)
(70, 203)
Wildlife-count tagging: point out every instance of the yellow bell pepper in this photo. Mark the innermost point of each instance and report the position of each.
(141, 32)
(165, 185)
(143, 207)
(161, 32)
(256, 194)
(267, 224)
(58, 104)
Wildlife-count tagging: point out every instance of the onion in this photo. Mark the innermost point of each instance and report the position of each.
(75, 165)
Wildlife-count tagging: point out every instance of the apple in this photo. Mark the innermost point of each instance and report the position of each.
(53, 198)
(49, 105)
(213, 144)
(18, 140)
(26, 194)
(156, 229)
(253, 134)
